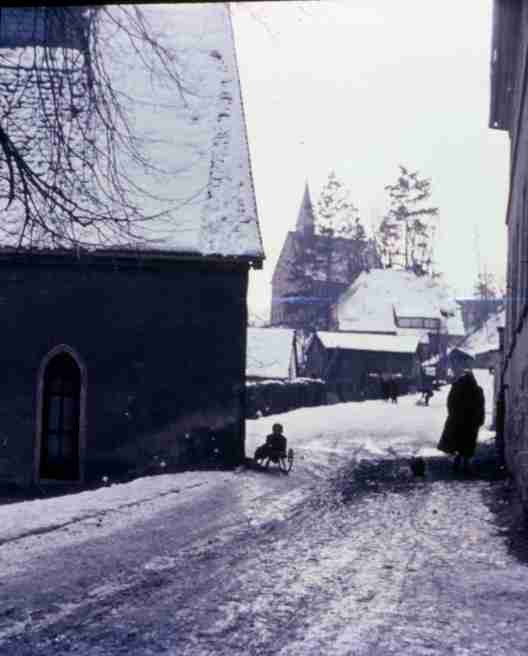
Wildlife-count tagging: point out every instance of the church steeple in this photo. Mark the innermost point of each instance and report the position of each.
(305, 218)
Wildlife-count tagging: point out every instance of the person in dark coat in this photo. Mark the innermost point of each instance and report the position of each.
(394, 390)
(465, 415)
(275, 443)
(384, 388)
(427, 390)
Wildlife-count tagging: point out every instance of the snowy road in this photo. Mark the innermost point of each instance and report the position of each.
(350, 554)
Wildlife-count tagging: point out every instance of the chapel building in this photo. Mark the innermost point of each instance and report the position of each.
(304, 288)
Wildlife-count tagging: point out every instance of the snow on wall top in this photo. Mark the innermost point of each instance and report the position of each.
(371, 301)
(202, 192)
(369, 342)
(269, 352)
(485, 338)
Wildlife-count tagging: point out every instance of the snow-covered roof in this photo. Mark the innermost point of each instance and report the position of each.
(375, 297)
(485, 338)
(269, 352)
(196, 137)
(408, 311)
(455, 324)
(369, 342)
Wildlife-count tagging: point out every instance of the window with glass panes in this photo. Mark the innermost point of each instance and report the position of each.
(60, 438)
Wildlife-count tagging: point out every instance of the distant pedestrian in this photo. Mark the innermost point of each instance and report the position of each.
(384, 388)
(427, 391)
(394, 390)
(465, 415)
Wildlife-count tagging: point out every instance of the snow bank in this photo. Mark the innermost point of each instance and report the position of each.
(40, 515)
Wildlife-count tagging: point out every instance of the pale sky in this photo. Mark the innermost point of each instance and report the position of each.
(360, 86)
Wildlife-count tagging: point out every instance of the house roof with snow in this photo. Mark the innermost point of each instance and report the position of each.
(269, 352)
(204, 199)
(369, 342)
(375, 300)
(486, 338)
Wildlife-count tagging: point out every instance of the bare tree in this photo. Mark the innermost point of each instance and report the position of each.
(68, 148)
(489, 296)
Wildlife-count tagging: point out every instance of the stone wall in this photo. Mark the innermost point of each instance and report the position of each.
(163, 345)
(514, 375)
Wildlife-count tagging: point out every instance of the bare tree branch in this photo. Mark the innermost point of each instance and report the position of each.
(68, 147)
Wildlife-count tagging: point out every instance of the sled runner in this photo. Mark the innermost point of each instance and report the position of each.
(283, 459)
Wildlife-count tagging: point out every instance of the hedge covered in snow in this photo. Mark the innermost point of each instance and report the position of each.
(269, 397)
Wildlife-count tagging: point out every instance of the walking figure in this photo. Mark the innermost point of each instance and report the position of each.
(427, 391)
(393, 390)
(385, 385)
(465, 415)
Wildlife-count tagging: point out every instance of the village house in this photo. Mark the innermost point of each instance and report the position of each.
(483, 344)
(480, 349)
(509, 112)
(353, 365)
(274, 384)
(271, 354)
(302, 298)
(398, 302)
(122, 355)
(476, 310)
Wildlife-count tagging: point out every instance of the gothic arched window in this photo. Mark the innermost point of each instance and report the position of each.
(60, 419)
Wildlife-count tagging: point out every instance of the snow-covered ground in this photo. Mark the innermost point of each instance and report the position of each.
(323, 438)
(349, 554)
(369, 430)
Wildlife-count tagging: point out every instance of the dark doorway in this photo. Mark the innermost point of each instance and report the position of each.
(60, 420)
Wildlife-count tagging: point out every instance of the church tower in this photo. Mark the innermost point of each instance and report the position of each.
(300, 303)
(306, 219)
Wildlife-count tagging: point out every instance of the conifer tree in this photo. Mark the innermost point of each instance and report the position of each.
(406, 233)
(337, 216)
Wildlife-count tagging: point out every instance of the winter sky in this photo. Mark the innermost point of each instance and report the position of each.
(360, 86)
